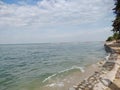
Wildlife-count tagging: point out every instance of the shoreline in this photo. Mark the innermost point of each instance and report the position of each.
(98, 76)
(102, 79)
(68, 83)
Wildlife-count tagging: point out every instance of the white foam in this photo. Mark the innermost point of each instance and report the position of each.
(73, 67)
(51, 85)
(49, 77)
(58, 84)
(66, 70)
(81, 68)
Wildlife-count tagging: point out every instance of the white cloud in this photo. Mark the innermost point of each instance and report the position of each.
(55, 21)
(53, 35)
(53, 12)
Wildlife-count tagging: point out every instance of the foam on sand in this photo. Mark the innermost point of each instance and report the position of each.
(66, 70)
(58, 84)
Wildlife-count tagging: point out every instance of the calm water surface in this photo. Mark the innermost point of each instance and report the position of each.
(25, 66)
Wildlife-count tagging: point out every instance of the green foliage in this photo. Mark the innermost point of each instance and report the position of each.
(115, 36)
(116, 22)
(110, 38)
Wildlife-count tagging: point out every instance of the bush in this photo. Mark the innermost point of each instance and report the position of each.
(116, 36)
(110, 38)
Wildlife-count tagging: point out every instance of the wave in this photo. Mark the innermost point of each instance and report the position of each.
(73, 67)
(48, 78)
(63, 71)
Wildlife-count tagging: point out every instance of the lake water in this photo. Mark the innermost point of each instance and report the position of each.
(27, 66)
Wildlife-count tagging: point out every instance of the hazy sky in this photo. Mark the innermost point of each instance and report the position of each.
(40, 21)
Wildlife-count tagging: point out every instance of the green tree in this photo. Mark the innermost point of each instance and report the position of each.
(116, 22)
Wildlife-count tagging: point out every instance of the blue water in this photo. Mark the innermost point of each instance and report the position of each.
(23, 64)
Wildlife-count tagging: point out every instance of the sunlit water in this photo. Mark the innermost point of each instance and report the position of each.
(27, 66)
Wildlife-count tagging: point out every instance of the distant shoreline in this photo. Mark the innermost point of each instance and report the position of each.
(48, 42)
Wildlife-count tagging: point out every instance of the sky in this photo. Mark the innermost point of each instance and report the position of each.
(49, 21)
